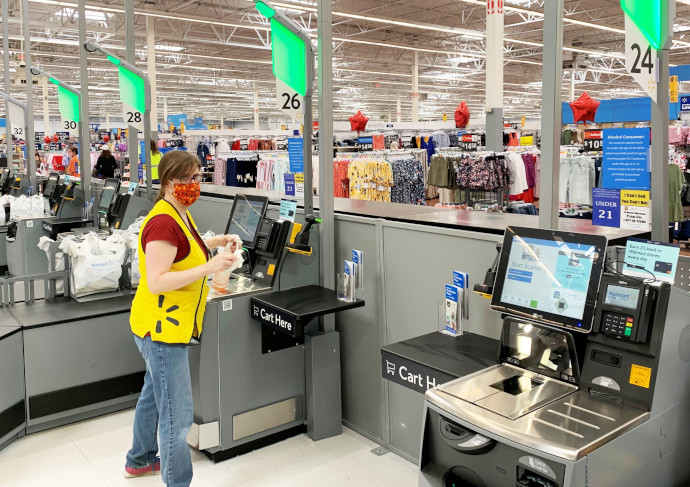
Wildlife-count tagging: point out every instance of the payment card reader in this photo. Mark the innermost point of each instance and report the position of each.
(126, 208)
(105, 200)
(625, 307)
(71, 201)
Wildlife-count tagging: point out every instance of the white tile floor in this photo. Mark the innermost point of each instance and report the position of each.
(91, 453)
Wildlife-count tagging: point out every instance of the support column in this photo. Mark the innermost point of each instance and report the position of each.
(133, 133)
(29, 132)
(151, 68)
(6, 68)
(494, 75)
(571, 90)
(399, 109)
(256, 107)
(415, 88)
(165, 110)
(84, 137)
(107, 122)
(221, 122)
(46, 106)
(322, 351)
(659, 164)
(552, 75)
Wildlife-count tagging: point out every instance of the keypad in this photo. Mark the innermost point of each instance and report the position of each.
(618, 324)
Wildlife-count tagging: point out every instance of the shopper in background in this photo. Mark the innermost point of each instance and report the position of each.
(106, 164)
(73, 166)
(167, 315)
(155, 161)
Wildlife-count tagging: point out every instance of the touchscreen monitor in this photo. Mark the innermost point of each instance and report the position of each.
(247, 212)
(549, 276)
(109, 189)
(51, 185)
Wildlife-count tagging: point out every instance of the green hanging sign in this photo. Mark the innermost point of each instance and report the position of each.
(132, 89)
(68, 102)
(647, 16)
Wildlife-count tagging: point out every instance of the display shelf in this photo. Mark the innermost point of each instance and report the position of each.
(291, 310)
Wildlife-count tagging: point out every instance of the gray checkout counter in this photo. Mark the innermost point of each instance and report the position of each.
(63, 361)
(591, 387)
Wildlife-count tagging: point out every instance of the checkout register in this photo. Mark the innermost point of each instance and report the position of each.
(591, 385)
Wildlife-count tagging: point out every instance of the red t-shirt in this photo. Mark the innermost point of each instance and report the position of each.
(164, 227)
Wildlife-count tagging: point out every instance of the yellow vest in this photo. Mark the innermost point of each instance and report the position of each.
(170, 317)
(155, 162)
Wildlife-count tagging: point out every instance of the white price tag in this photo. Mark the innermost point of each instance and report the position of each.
(132, 117)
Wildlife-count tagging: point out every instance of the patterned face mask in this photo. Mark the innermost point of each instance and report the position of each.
(187, 194)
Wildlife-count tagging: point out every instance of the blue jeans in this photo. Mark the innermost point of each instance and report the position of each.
(164, 407)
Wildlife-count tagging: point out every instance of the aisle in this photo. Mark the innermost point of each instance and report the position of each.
(91, 453)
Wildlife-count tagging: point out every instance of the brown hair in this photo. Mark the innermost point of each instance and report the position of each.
(74, 150)
(175, 164)
(106, 153)
(154, 146)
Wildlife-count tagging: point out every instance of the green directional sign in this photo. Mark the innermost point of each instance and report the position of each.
(132, 89)
(68, 102)
(290, 51)
(647, 16)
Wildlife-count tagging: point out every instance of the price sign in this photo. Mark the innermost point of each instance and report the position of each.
(288, 100)
(366, 143)
(593, 141)
(69, 126)
(640, 58)
(299, 185)
(468, 146)
(132, 117)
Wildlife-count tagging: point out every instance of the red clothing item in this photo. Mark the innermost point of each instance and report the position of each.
(164, 227)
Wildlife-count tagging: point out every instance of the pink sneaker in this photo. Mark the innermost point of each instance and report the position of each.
(132, 472)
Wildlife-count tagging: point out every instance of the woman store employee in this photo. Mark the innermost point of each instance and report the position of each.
(167, 316)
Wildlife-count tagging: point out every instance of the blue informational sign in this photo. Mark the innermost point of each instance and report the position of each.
(626, 159)
(177, 120)
(142, 158)
(290, 184)
(644, 258)
(296, 155)
(366, 140)
(607, 207)
(288, 210)
(685, 103)
(3, 123)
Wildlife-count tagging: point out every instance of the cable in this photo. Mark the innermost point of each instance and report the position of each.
(280, 265)
(616, 271)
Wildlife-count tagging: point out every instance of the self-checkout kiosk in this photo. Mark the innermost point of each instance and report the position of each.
(67, 211)
(126, 208)
(19, 185)
(105, 200)
(248, 379)
(591, 384)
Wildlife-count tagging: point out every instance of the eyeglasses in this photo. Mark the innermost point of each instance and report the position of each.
(188, 179)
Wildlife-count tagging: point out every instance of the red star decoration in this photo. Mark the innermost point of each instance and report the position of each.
(462, 115)
(358, 122)
(584, 108)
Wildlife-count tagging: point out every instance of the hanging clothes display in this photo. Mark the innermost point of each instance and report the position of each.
(408, 180)
(576, 180)
(370, 179)
(341, 181)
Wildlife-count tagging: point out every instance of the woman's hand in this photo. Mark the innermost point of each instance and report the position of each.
(222, 241)
(220, 262)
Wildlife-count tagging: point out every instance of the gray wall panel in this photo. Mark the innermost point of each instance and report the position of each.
(79, 352)
(360, 329)
(406, 418)
(419, 262)
(11, 371)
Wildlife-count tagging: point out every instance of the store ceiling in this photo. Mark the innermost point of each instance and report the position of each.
(210, 54)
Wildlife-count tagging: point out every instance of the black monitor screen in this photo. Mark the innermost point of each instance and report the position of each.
(51, 186)
(245, 217)
(550, 276)
(111, 187)
(4, 178)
